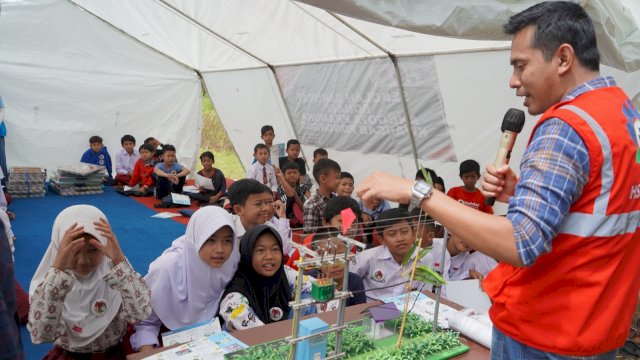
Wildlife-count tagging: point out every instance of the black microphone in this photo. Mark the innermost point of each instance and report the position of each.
(512, 124)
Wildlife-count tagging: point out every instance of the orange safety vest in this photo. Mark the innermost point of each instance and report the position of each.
(579, 299)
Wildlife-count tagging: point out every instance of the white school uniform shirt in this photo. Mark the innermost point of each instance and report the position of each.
(255, 172)
(377, 268)
(282, 226)
(433, 261)
(480, 263)
(459, 269)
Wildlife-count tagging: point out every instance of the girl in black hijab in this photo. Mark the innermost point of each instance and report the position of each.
(263, 286)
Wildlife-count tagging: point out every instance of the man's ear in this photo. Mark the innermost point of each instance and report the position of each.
(566, 57)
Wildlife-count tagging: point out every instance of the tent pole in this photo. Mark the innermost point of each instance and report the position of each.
(394, 60)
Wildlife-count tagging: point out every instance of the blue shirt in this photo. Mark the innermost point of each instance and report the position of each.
(174, 169)
(554, 171)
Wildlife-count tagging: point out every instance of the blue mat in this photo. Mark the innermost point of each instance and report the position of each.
(141, 237)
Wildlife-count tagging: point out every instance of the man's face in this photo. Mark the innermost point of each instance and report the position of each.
(128, 146)
(533, 77)
(262, 155)
(345, 187)
(293, 151)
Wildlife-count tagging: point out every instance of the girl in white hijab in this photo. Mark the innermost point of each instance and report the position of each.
(188, 279)
(84, 291)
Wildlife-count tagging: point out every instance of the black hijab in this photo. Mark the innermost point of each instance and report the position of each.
(263, 293)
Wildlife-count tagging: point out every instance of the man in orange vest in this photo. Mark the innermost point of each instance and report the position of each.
(569, 275)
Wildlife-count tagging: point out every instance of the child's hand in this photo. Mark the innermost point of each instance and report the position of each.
(201, 189)
(69, 246)
(112, 248)
(173, 178)
(475, 275)
(281, 209)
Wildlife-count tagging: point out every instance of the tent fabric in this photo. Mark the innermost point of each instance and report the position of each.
(615, 20)
(70, 69)
(65, 76)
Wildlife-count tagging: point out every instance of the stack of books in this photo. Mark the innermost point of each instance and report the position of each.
(26, 182)
(78, 179)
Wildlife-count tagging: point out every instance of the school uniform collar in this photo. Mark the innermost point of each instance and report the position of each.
(385, 254)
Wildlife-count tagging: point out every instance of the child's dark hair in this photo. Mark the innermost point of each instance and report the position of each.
(290, 165)
(266, 128)
(346, 175)
(127, 138)
(207, 154)
(147, 147)
(323, 233)
(391, 217)
(95, 139)
(168, 147)
(419, 217)
(292, 142)
(320, 152)
(432, 174)
(149, 139)
(323, 167)
(468, 166)
(259, 146)
(336, 204)
(440, 181)
(240, 191)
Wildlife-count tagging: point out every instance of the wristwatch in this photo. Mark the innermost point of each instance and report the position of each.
(421, 190)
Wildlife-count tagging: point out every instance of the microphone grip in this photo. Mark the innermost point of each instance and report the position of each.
(503, 155)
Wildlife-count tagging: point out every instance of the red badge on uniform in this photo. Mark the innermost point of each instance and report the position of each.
(275, 313)
(77, 328)
(99, 307)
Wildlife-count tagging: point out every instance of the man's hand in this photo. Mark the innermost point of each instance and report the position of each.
(386, 186)
(499, 182)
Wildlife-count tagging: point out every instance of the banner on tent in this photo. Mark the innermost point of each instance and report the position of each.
(357, 106)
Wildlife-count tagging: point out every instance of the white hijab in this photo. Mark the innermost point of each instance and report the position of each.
(185, 289)
(77, 310)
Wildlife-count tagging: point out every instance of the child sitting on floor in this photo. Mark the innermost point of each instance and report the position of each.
(85, 292)
(381, 267)
(143, 172)
(263, 286)
(252, 203)
(188, 279)
(126, 160)
(206, 196)
(170, 175)
(98, 155)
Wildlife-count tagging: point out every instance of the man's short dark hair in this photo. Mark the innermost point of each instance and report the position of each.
(292, 142)
(147, 147)
(127, 138)
(207, 154)
(320, 152)
(260, 146)
(290, 165)
(265, 128)
(346, 175)
(391, 217)
(557, 23)
(95, 139)
(240, 191)
(336, 204)
(168, 147)
(432, 174)
(323, 167)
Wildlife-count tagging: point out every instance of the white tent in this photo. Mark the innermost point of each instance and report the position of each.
(377, 97)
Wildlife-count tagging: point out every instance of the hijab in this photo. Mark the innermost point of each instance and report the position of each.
(184, 288)
(263, 293)
(82, 325)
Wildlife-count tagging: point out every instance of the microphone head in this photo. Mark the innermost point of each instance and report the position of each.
(513, 121)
